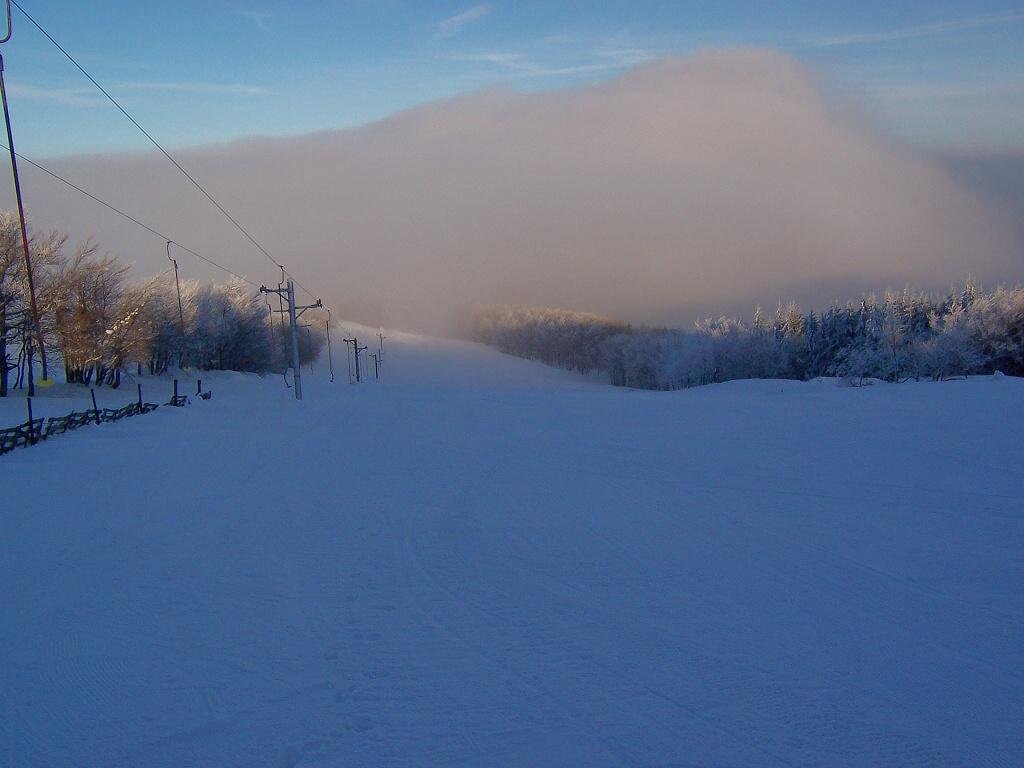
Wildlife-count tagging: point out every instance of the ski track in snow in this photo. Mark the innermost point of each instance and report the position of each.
(483, 561)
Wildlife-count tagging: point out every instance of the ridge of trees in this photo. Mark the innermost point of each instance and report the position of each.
(899, 336)
(102, 324)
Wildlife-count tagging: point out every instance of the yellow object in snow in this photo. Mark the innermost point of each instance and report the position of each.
(44, 383)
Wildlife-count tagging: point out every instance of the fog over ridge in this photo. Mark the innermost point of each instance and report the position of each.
(686, 186)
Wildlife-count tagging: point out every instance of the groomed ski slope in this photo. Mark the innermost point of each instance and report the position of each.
(480, 561)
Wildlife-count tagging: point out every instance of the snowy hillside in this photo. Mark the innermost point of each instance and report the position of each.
(481, 561)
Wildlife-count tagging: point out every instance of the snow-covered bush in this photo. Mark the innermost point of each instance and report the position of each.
(900, 336)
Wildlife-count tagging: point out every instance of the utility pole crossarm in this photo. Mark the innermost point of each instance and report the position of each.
(300, 310)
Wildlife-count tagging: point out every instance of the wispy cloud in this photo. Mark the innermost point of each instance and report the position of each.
(948, 91)
(925, 30)
(68, 97)
(491, 57)
(529, 69)
(453, 25)
(240, 89)
(626, 57)
(260, 18)
(520, 65)
(580, 62)
(85, 96)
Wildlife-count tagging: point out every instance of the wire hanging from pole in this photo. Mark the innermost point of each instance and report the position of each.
(330, 357)
(309, 341)
(182, 354)
(10, 23)
(270, 318)
(177, 286)
(206, 193)
(192, 179)
(148, 135)
(128, 216)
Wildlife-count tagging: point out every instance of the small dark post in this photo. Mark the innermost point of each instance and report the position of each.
(175, 400)
(96, 410)
(31, 373)
(199, 386)
(31, 427)
(140, 396)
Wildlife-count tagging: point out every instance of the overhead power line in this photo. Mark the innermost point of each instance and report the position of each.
(291, 282)
(149, 136)
(304, 288)
(131, 218)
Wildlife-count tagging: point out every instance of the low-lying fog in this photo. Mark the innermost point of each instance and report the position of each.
(685, 187)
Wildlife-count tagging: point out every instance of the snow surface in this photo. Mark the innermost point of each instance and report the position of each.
(480, 561)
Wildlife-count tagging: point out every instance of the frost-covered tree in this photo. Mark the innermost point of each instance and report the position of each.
(995, 322)
(15, 317)
(573, 340)
(100, 320)
(12, 305)
(949, 350)
(230, 330)
(902, 335)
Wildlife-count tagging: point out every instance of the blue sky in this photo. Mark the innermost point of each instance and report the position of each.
(946, 75)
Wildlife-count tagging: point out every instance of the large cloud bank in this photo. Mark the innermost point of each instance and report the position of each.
(684, 187)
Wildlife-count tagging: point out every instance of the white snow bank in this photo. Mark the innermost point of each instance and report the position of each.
(481, 561)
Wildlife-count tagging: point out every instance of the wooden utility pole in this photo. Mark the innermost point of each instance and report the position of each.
(33, 306)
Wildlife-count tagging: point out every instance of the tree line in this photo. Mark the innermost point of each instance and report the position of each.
(100, 323)
(899, 336)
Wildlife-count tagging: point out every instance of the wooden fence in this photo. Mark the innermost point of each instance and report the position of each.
(37, 429)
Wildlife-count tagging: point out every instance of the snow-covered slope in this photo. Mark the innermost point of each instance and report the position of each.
(483, 561)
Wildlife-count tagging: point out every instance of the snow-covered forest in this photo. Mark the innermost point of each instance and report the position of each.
(98, 322)
(895, 337)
